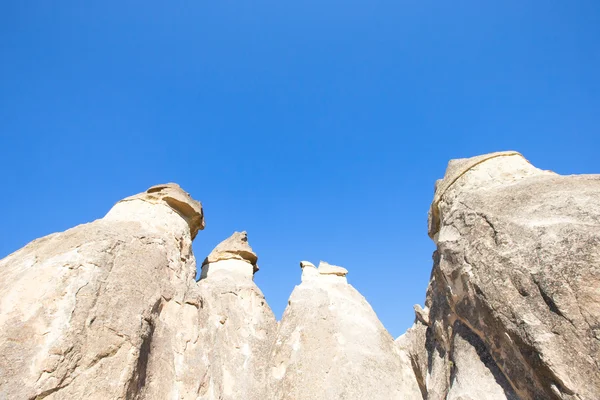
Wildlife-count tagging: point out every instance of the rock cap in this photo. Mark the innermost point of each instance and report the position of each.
(235, 247)
(328, 269)
(178, 200)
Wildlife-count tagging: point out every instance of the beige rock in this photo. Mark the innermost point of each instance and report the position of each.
(331, 345)
(304, 264)
(235, 247)
(81, 311)
(170, 194)
(328, 269)
(309, 271)
(514, 306)
(111, 310)
(237, 323)
(473, 372)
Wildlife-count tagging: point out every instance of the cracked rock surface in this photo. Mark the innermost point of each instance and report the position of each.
(112, 310)
(514, 301)
(83, 311)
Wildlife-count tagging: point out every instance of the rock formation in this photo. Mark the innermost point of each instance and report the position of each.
(111, 309)
(331, 345)
(513, 307)
(236, 323)
(82, 312)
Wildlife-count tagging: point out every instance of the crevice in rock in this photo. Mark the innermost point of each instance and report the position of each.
(541, 372)
(548, 299)
(138, 379)
(495, 232)
(419, 376)
(486, 358)
(48, 392)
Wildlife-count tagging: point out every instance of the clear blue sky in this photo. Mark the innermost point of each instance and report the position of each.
(317, 126)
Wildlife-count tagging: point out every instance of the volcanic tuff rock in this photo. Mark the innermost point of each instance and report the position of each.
(104, 310)
(237, 325)
(331, 345)
(235, 247)
(111, 309)
(513, 306)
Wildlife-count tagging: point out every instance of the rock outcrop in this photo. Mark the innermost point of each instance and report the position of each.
(513, 307)
(331, 345)
(237, 325)
(226, 255)
(112, 310)
(82, 311)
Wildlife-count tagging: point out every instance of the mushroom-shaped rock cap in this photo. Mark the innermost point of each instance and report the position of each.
(235, 247)
(328, 269)
(178, 200)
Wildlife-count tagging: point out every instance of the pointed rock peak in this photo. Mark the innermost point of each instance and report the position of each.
(235, 247)
(304, 264)
(172, 195)
(422, 314)
(328, 269)
(309, 271)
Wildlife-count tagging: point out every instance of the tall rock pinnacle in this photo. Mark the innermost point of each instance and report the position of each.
(238, 324)
(330, 345)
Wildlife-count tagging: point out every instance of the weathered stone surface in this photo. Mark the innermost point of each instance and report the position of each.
(330, 345)
(235, 247)
(111, 309)
(513, 304)
(80, 310)
(172, 195)
(237, 323)
(328, 269)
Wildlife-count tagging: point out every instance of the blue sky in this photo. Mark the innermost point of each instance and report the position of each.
(318, 127)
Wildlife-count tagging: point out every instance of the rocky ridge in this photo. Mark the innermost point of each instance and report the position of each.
(112, 310)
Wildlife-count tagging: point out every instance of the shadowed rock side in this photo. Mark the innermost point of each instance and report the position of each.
(81, 311)
(330, 345)
(513, 307)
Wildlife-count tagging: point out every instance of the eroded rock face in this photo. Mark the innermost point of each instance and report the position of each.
(513, 306)
(331, 345)
(111, 309)
(238, 326)
(82, 310)
(226, 256)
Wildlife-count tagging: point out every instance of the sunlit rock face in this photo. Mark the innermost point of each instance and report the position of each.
(513, 307)
(83, 311)
(331, 345)
(237, 325)
(112, 310)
